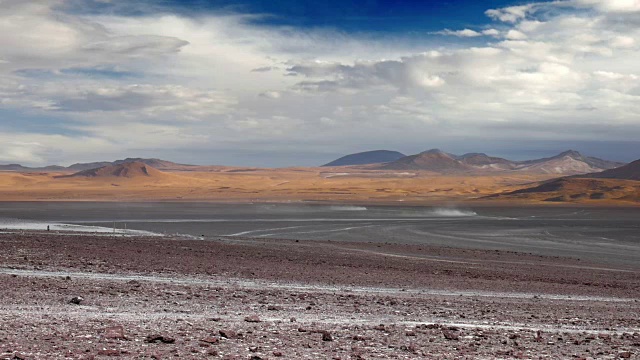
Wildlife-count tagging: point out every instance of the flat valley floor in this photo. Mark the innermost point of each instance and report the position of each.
(92, 296)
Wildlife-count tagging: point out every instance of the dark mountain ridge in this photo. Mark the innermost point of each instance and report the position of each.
(367, 157)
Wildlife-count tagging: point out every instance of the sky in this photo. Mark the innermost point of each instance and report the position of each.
(299, 83)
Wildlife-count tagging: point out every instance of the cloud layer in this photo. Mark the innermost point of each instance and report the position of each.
(78, 86)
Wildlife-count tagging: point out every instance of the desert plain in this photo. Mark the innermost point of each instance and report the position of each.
(339, 184)
(70, 295)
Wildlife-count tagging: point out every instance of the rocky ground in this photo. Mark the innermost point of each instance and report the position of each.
(67, 296)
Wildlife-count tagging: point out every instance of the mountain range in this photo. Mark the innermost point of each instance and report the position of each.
(436, 161)
(567, 163)
(155, 163)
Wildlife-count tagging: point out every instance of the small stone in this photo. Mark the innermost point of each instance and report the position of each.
(108, 352)
(212, 352)
(450, 335)
(277, 354)
(252, 319)
(228, 334)
(625, 355)
(76, 300)
(326, 336)
(210, 340)
(159, 339)
(114, 332)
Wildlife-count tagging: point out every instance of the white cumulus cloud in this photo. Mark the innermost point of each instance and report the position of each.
(85, 86)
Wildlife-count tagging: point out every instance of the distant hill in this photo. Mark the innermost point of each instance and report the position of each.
(87, 166)
(431, 160)
(156, 163)
(485, 161)
(124, 170)
(14, 167)
(367, 157)
(630, 171)
(20, 168)
(567, 163)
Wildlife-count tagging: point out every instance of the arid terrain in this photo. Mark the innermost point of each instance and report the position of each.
(430, 177)
(258, 184)
(98, 296)
(130, 182)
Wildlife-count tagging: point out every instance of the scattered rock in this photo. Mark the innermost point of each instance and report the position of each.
(109, 352)
(326, 336)
(252, 319)
(115, 332)
(76, 300)
(134, 282)
(210, 340)
(159, 339)
(450, 335)
(538, 337)
(228, 334)
(625, 355)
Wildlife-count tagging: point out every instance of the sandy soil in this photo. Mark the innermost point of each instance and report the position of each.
(296, 184)
(95, 297)
(309, 184)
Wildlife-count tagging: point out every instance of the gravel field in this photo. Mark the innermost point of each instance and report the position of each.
(71, 296)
